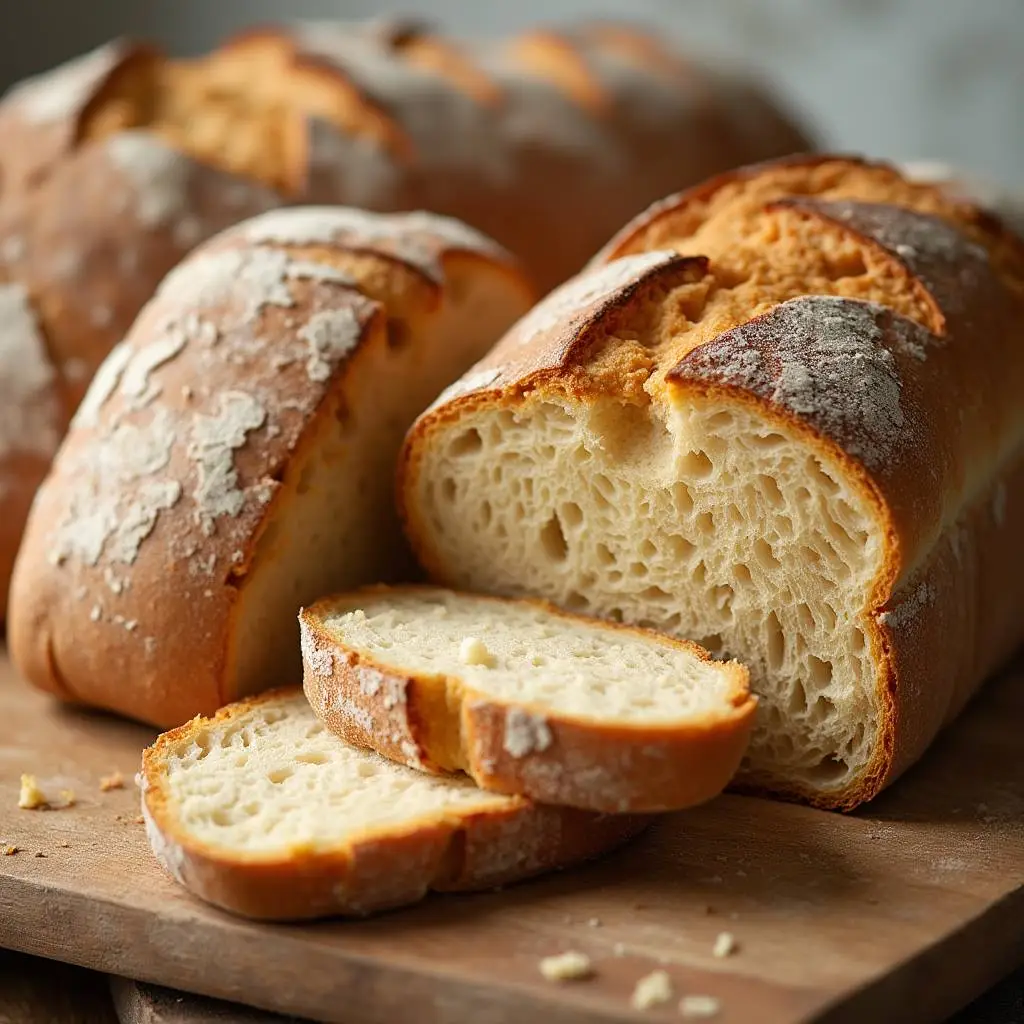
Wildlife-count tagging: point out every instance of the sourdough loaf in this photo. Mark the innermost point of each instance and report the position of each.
(115, 165)
(780, 413)
(261, 811)
(234, 456)
(525, 698)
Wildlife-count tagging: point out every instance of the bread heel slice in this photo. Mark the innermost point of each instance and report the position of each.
(527, 699)
(260, 811)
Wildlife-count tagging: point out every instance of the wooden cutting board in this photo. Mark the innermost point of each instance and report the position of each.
(900, 914)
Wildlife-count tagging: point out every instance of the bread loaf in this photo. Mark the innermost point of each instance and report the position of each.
(526, 699)
(261, 811)
(115, 165)
(234, 456)
(1006, 203)
(780, 413)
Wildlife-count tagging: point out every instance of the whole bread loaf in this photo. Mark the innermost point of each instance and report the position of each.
(780, 414)
(115, 165)
(234, 456)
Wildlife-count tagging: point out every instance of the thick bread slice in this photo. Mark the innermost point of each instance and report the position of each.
(234, 457)
(779, 414)
(527, 699)
(261, 811)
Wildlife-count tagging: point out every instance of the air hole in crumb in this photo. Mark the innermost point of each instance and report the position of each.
(821, 709)
(466, 443)
(829, 769)
(486, 513)
(806, 617)
(764, 555)
(741, 573)
(278, 775)
(604, 555)
(637, 569)
(700, 573)
(575, 601)
(655, 594)
(313, 757)
(696, 465)
(722, 596)
(776, 642)
(819, 672)
(571, 514)
(552, 540)
(771, 491)
(767, 441)
(615, 614)
(705, 523)
(682, 499)
(713, 644)
(448, 489)
(680, 547)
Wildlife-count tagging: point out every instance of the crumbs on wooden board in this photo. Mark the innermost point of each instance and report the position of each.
(115, 780)
(9, 849)
(725, 945)
(32, 798)
(652, 990)
(568, 966)
(699, 1007)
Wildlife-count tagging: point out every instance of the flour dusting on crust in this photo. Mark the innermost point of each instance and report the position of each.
(30, 407)
(823, 358)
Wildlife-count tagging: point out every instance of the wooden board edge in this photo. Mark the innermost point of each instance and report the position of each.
(925, 989)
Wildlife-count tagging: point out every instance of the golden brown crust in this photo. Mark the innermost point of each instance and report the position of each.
(41, 119)
(185, 447)
(438, 723)
(928, 463)
(472, 850)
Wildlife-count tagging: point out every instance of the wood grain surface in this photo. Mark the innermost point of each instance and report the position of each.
(902, 913)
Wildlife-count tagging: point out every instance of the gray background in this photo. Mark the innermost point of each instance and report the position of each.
(906, 79)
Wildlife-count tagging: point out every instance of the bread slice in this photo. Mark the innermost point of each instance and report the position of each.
(261, 811)
(781, 415)
(527, 699)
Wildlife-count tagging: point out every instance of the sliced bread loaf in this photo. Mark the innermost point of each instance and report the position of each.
(527, 699)
(779, 414)
(260, 811)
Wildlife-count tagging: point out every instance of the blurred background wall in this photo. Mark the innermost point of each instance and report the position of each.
(907, 79)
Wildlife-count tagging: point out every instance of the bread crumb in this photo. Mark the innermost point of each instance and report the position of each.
(115, 780)
(68, 796)
(569, 966)
(594, 922)
(619, 949)
(725, 944)
(10, 851)
(652, 990)
(699, 1007)
(64, 846)
(39, 853)
(31, 797)
(474, 652)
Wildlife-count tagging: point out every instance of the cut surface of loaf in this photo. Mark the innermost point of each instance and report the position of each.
(779, 414)
(526, 699)
(234, 456)
(261, 811)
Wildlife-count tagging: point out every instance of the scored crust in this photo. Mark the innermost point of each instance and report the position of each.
(921, 298)
(438, 722)
(396, 866)
(171, 497)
